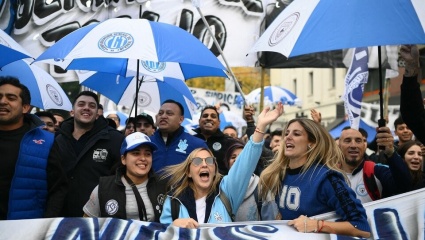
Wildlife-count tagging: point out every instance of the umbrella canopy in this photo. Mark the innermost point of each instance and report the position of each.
(272, 95)
(152, 92)
(308, 26)
(371, 131)
(10, 50)
(123, 46)
(46, 93)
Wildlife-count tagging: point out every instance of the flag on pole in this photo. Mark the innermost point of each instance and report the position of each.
(355, 80)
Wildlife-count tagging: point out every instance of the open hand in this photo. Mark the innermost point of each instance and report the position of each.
(186, 223)
(268, 116)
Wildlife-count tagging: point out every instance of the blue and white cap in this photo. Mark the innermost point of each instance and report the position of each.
(135, 140)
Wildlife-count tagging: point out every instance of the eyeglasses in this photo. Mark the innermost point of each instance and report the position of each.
(129, 127)
(208, 160)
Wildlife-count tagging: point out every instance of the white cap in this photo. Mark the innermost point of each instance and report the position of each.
(135, 140)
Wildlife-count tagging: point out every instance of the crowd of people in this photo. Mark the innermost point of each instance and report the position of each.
(81, 165)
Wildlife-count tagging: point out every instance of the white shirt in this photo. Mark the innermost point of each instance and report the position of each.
(201, 206)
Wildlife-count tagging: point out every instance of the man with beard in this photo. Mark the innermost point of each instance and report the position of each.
(89, 149)
(174, 144)
(372, 181)
(32, 181)
(209, 130)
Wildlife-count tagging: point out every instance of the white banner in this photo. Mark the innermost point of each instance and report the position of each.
(236, 24)
(370, 114)
(206, 97)
(389, 218)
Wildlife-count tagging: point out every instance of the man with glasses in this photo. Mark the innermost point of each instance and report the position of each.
(145, 124)
(174, 144)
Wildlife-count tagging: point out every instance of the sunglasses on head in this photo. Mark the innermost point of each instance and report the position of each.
(208, 160)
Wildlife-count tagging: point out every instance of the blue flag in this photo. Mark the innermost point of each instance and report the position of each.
(355, 80)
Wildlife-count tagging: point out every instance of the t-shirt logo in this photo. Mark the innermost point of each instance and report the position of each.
(111, 207)
(182, 146)
(216, 146)
(100, 155)
(361, 190)
(218, 217)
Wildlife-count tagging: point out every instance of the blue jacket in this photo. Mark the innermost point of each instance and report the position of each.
(176, 150)
(234, 185)
(28, 191)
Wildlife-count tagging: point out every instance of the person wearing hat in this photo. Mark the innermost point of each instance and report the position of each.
(145, 124)
(134, 192)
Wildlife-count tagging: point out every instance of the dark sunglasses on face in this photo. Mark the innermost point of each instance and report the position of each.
(208, 160)
(129, 127)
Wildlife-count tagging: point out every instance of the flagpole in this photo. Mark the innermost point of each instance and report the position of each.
(381, 121)
(221, 52)
(263, 74)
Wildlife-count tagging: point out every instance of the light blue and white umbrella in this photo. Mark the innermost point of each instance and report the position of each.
(152, 92)
(273, 95)
(123, 46)
(10, 50)
(308, 26)
(46, 93)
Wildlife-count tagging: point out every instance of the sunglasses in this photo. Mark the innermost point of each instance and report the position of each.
(129, 127)
(208, 160)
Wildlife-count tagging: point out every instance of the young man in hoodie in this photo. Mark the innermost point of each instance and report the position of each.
(89, 149)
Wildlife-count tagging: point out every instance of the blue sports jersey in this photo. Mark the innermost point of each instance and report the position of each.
(319, 190)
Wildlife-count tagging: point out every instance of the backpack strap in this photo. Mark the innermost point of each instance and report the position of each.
(226, 203)
(175, 208)
(370, 181)
(259, 203)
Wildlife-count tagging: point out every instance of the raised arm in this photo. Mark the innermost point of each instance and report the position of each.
(236, 182)
(411, 103)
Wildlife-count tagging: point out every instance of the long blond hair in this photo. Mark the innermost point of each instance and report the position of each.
(323, 151)
(178, 175)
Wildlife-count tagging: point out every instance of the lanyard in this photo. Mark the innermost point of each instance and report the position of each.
(143, 216)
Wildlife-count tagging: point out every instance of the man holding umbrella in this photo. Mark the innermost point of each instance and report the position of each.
(28, 155)
(89, 149)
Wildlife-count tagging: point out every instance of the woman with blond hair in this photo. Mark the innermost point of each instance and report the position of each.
(304, 180)
(198, 188)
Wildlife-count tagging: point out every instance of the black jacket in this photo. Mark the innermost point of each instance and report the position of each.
(218, 143)
(99, 153)
(412, 108)
(112, 188)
